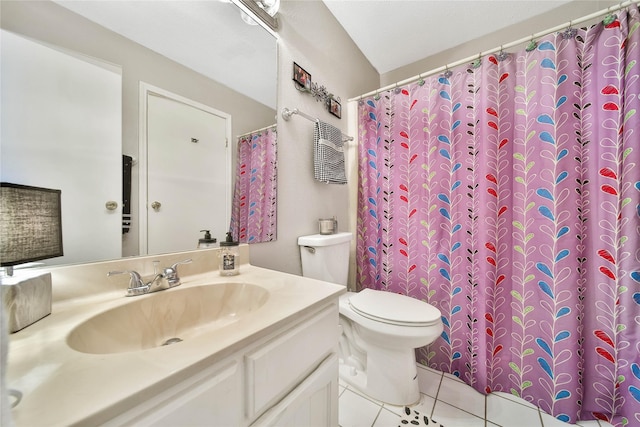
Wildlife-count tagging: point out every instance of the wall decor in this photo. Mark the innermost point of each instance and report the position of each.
(301, 77)
(303, 82)
(335, 107)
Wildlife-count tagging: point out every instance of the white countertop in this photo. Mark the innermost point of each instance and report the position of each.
(62, 386)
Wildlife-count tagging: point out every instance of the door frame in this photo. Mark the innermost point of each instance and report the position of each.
(147, 90)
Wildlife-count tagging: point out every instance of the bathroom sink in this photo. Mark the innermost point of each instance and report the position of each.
(166, 318)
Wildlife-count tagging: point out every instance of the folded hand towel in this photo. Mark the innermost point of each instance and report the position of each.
(328, 154)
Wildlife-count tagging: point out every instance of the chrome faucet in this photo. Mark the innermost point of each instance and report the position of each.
(167, 279)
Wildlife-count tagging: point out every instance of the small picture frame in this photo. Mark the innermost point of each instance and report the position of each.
(301, 76)
(335, 108)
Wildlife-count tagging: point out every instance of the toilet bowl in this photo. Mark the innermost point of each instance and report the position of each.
(379, 330)
(382, 331)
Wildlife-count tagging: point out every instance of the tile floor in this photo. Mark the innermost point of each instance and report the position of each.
(450, 402)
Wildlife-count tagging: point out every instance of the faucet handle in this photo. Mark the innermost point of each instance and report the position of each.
(136, 284)
(171, 273)
(186, 261)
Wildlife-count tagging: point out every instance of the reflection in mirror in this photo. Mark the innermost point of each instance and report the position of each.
(185, 165)
(253, 217)
(195, 49)
(60, 117)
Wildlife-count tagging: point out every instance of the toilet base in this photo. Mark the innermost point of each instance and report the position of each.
(390, 376)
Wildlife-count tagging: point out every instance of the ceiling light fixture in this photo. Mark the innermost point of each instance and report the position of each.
(262, 12)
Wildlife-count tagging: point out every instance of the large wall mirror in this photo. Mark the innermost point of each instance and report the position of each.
(202, 52)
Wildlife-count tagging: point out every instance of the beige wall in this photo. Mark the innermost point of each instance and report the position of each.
(574, 10)
(48, 22)
(310, 36)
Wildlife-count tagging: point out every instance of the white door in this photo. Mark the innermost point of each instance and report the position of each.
(61, 129)
(188, 173)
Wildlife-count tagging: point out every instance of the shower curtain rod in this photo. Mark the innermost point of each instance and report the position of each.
(498, 49)
(287, 113)
(257, 130)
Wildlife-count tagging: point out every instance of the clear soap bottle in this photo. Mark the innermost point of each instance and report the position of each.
(229, 257)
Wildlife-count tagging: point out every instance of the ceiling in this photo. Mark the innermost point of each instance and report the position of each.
(198, 34)
(207, 36)
(384, 30)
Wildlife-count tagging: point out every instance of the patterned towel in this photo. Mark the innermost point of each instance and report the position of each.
(328, 154)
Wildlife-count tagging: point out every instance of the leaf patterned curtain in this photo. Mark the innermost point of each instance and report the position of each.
(507, 194)
(253, 214)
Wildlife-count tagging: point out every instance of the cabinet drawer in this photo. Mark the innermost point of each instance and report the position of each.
(281, 364)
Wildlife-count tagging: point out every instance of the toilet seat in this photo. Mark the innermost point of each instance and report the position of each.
(393, 308)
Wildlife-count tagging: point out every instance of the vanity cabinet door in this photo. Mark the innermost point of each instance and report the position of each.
(210, 398)
(314, 403)
(275, 368)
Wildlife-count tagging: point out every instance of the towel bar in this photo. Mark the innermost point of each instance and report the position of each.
(287, 113)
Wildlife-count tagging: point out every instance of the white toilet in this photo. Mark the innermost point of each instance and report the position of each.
(380, 330)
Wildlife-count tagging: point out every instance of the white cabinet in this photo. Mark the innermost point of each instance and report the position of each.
(287, 378)
(208, 398)
(276, 367)
(313, 403)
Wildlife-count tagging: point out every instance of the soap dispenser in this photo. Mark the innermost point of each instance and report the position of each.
(207, 241)
(229, 257)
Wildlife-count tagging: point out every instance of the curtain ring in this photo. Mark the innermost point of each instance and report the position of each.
(502, 55)
(570, 32)
(420, 80)
(610, 17)
(476, 63)
(532, 44)
(447, 73)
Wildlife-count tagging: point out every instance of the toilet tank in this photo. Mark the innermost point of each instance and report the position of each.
(326, 256)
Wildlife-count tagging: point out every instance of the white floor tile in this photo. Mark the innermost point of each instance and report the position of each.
(457, 405)
(514, 398)
(429, 381)
(451, 376)
(387, 419)
(356, 411)
(426, 405)
(399, 410)
(341, 388)
(359, 393)
(550, 421)
(507, 413)
(460, 395)
(450, 416)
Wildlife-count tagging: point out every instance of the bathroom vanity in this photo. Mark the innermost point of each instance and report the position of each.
(259, 348)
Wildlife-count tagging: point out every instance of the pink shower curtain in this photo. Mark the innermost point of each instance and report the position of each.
(253, 214)
(507, 194)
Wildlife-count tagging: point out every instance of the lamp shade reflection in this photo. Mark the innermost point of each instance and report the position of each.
(30, 224)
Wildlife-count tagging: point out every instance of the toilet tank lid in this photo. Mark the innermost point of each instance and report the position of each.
(324, 239)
